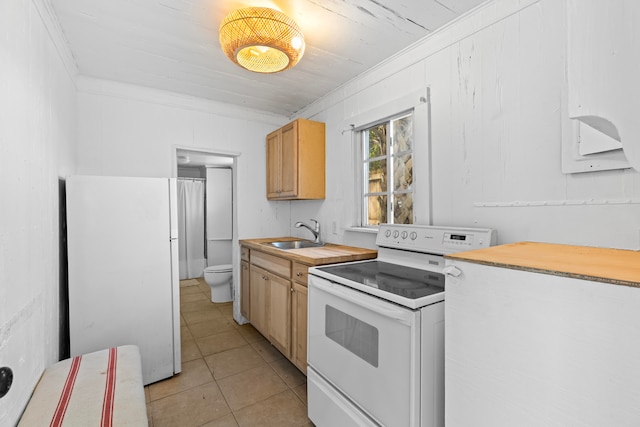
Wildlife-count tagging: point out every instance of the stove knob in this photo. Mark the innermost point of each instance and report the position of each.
(404, 234)
(387, 233)
(396, 234)
(413, 235)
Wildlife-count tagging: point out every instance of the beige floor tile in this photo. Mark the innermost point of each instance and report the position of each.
(196, 296)
(268, 352)
(201, 316)
(234, 323)
(185, 333)
(226, 421)
(252, 386)
(226, 309)
(193, 407)
(220, 342)
(288, 372)
(250, 333)
(233, 361)
(301, 392)
(252, 376)
(190, 290)
(194, 373)
(189, 351)
(210, 327)
(188, 307)
(188, 282)
(281, 410)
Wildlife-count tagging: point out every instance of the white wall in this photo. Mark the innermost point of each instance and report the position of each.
(497, 81)
(126, 130)
(37, 144)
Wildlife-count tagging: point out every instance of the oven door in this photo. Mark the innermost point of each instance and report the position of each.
(368, 349)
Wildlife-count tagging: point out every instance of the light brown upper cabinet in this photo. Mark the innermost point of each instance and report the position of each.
(296, 161)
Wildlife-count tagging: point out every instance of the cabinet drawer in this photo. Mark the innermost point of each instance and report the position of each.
(244, 253)
(277, 265)
(300, 273)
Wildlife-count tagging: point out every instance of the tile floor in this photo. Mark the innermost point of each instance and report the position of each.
(231, 375)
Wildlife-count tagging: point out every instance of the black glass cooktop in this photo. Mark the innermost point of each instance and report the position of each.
(408, 282)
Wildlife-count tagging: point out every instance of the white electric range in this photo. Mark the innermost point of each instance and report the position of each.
(376, 330)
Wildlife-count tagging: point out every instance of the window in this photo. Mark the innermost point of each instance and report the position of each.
(387, 140)
(387, 165)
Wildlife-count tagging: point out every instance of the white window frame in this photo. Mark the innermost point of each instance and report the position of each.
(389, 158)
(418, 102)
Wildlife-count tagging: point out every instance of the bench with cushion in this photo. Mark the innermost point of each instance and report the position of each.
(103, 388)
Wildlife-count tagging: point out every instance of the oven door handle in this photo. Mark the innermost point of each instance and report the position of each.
(387, 309)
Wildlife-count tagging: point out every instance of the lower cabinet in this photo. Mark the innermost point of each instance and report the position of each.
(259, 295)
(244, 290)
(274, 295)
(279, 308)
(299, 326)
(270, 311)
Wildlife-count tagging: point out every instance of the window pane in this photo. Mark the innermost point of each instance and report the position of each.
(376, 176)
(403, 134)
(387, 172)
(402, 172)
(403, 208)
(376, 138)
(376, 210)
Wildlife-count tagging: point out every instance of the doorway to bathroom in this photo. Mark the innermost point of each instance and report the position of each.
(206, 214)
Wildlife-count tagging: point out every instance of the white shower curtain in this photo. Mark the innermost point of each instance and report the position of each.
(191, 228)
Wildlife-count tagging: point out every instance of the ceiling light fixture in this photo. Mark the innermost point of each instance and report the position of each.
(261, 39)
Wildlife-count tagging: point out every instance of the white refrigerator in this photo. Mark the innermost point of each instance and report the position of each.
(122, 237)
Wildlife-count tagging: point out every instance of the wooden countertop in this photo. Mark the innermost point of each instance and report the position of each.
(327, 254)
(615, 266)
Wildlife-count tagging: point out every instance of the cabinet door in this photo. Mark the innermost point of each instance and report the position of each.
(245, 290)
(273, 164)
(289, 160)
(279, 308)
(299, 327)
(259, 291)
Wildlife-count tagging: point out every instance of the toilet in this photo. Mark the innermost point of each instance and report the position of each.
(219, 279)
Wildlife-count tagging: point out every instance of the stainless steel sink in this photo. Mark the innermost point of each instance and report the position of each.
(295, 244)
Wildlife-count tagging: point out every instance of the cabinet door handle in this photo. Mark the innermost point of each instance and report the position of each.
(265, 278)
(298, 274)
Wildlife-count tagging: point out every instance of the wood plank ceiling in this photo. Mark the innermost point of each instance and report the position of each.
(173, 45)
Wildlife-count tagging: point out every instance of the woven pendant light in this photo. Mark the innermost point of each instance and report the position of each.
(261, 39)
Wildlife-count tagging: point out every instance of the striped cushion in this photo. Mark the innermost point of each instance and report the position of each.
(101, 389)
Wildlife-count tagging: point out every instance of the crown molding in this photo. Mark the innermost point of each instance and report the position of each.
(51, 24)
(101, 87)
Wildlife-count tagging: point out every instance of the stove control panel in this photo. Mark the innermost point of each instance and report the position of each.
(434, 239)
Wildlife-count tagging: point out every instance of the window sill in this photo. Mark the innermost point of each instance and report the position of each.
(362, 230)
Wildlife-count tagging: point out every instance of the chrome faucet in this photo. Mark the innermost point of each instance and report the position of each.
(315, 230)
